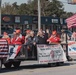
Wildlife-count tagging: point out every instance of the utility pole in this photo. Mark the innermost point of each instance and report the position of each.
(39, 15)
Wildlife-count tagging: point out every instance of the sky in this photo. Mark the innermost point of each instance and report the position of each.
(67, 7)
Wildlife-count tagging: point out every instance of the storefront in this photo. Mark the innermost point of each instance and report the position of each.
(24, 22)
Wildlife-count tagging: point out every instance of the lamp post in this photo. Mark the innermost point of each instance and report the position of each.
(0, 16)
(39, 15)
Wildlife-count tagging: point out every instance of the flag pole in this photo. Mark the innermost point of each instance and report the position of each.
(39, 15)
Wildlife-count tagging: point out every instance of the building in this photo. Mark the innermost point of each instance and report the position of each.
(24, 22)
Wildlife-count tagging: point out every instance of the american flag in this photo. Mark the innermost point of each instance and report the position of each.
(3, 48)
(71, 21)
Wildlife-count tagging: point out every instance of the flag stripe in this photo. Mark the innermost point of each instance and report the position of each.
(3, 48)
(71, 18)
(71, 21)
(69, 26)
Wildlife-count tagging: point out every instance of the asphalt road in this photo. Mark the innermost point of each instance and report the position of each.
(27, 68)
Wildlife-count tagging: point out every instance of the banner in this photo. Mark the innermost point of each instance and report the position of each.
(13, 51)
(3, 48)
(50, 53)
(72, 48)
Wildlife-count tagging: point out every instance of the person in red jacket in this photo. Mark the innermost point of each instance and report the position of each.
(17, 40)
(13, 38)
(18, 37)
(54, 38)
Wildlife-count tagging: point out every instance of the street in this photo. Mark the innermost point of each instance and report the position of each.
(27, 68)
(42, 30)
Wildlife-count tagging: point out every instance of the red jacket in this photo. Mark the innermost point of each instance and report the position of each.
(17, 40)
(8, 40)
(54, 39)
(23, 39)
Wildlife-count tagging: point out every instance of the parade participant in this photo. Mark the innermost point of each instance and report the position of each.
(27, 35)
(17, 42)
(64, 36)
(14, 37)
(5, 36)
(54, 38)
(18, 37)
(47, 34)
(30, 39)
(28, 32)
(31, 44)
(41, 38)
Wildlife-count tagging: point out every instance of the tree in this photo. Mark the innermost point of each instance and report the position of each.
(48, 8)
(10, 9)
(56, 7)
(7, 9)
(29, 1)
(15, 8)
(66, 14)
(32, 7)
(23, 9)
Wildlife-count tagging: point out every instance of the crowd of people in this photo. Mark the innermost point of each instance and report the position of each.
(41, 37)
(30, 39)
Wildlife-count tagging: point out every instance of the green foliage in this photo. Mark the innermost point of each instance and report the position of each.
(23, 9)
(48, 8)
(10, 9)
(66, 14)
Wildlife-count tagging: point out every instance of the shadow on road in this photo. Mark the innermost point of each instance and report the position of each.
(4, 70)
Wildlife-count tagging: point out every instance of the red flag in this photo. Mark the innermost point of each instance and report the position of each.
(71, 21)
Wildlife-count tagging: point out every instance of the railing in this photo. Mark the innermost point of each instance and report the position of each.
(27, 51)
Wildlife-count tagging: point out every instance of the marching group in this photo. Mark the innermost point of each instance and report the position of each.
(31, 39)
(41, 37)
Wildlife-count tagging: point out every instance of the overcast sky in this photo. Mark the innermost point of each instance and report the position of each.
(68, 7)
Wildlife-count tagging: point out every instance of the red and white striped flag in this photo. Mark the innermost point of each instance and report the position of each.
(71, 21)
(3, 48)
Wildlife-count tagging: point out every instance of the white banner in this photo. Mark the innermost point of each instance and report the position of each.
(72, 48)
(12, 51)
(50, 53)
